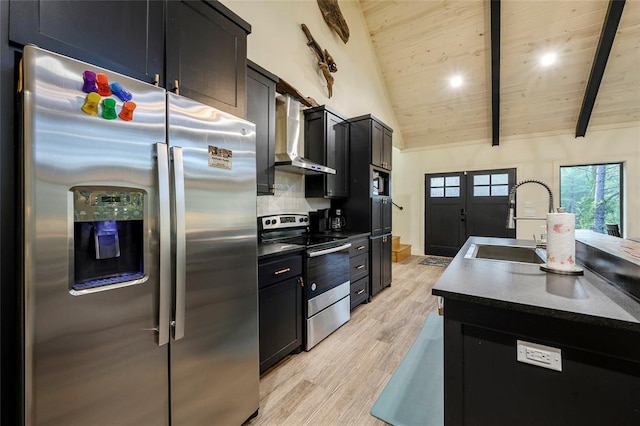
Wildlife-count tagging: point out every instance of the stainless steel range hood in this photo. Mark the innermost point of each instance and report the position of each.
(288, 140)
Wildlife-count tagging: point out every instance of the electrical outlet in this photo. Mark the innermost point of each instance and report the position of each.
(540, 355)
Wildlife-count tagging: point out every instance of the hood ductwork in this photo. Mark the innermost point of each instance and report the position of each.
(288, 140)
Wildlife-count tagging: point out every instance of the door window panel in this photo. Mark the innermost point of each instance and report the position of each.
(452, 192)
(437, 192)
(448, 187)
(499, 190)
(491, 185)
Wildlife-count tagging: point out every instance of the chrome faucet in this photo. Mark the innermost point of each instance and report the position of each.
(511, 218)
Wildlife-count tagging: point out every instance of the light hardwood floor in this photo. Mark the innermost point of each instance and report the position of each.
(338, 381)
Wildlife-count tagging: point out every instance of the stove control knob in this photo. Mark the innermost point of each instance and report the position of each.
(268, 222)
(301, 220)
(306, 219)
(313, 287)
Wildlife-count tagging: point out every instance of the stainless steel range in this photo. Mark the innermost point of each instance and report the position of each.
(326, 272)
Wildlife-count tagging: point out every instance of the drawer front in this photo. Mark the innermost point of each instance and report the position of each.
(359, 291)
(359, 266)
(279, 269)
(358, 246)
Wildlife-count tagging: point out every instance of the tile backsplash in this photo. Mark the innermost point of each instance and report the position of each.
(289, 197)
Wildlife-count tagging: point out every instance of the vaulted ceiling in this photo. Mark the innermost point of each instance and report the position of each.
(421, 45)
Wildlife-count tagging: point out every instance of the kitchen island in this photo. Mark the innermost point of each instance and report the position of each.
(492, 305)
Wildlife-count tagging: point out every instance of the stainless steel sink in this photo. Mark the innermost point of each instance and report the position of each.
(522, 254)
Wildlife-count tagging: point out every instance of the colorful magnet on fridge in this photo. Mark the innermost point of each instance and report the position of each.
(91, 102)
(103, 85)
(89, 82)
(119, 91)
(126, 113)
(109, 109)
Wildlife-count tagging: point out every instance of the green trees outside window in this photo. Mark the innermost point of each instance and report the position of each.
(594, 193)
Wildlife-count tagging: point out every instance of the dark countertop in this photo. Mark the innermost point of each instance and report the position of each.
(524, 287)
(348, 234)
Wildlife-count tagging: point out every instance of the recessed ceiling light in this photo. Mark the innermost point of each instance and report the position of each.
(456, 81)
(548, 59)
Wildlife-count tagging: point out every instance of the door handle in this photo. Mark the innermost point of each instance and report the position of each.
(181, 243)
(463, 215)
(164, 223)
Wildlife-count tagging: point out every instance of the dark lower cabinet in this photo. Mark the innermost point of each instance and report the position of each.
(380, 263)
(359, 271)
(485, 384)
(123, 36)
(261, 110)
(280, 308)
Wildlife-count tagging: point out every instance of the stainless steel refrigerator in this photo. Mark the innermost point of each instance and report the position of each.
(140, 270)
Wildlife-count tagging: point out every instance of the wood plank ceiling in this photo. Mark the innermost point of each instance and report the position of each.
(420, 45)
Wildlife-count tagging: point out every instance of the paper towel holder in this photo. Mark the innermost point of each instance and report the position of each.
(576, 270)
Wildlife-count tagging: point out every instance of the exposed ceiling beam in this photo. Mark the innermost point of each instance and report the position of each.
(614, 12)
(495, 72)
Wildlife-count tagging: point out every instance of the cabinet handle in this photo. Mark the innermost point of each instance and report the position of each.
(360, 248)
(176, 87)
(281, 271)
(156, 80)
(360, 292)
(360, 267)
(300, 281)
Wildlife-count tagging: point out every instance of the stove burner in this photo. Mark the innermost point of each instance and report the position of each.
(292, 229)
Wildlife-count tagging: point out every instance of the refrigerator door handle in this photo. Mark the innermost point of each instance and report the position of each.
(180, 239)
(164, 223)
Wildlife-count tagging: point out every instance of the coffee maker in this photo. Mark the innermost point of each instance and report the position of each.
(319, 221)
(337, 220)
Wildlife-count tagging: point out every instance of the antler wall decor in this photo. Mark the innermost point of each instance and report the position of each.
(334, 19)
(325, 60)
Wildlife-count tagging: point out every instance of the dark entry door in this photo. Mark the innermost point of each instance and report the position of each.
(461, 204)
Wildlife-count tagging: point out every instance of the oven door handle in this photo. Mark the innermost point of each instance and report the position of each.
(329, 250)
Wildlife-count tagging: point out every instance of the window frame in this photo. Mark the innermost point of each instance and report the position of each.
(621, 166)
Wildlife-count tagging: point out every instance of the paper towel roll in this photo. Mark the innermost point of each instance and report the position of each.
(561, 241)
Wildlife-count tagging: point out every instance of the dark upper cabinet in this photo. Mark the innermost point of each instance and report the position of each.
(373, 139)
(326, 136)
(380, 216)
(205, 50)
(123, 36)
(386, 216)
(207, 54)
(261, 110)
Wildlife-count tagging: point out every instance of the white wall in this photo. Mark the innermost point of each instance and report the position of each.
(278, 44)
(534, 158)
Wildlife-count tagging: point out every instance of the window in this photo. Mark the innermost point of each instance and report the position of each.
(594, 193)
(445, 186)
(491, 185)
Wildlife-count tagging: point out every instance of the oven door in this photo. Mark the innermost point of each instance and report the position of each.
(326, 269)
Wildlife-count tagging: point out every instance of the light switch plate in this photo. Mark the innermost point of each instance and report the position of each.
(540, 355)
